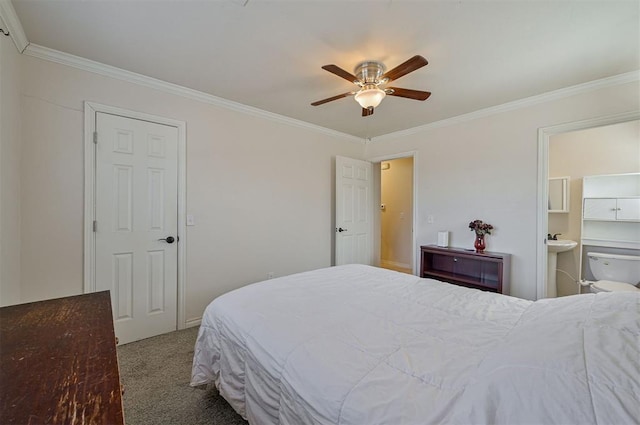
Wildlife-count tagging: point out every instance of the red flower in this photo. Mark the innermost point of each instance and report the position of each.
(480, 228)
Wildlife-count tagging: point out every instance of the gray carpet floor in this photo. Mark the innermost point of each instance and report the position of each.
(155, 373)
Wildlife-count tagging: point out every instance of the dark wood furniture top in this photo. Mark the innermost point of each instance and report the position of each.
(58, 362)
(488, 271)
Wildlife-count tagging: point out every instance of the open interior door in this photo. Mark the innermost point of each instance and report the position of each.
(354, 211)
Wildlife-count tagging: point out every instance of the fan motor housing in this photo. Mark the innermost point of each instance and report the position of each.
(370, 72)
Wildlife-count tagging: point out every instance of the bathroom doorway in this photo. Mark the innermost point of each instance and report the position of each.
(609, 149)
(573, 150)
(396, 214)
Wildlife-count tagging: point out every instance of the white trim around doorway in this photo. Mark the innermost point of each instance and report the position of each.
(544, 135)
(90, 110)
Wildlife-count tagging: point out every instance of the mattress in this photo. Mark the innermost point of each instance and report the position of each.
(360, 345)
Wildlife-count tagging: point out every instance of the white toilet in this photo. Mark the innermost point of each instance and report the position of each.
(615, 273)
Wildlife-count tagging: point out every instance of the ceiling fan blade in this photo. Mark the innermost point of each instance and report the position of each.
(404, 68)
(367, 111)
(334, 69)
(329, 99)
(410, 94)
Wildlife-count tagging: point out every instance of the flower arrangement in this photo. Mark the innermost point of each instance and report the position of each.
(480, 228)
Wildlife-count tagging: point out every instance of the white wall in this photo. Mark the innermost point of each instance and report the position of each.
(9, 173)
(261, 191)
(486, 169)
(611, 149)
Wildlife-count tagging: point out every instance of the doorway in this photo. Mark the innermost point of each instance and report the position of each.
(604, 150)
(398, 246)
(543, 225)
(396, 214)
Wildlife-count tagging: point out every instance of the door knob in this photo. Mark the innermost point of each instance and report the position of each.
(168, 239)
(340, 229)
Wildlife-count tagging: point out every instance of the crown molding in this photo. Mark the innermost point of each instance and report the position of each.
(78, 62)
(615, 80)
(10, 19)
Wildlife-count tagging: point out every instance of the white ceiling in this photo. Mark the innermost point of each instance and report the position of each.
(268, 54)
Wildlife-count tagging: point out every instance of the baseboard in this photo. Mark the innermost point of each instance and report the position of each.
(387, 263)
(192, 323)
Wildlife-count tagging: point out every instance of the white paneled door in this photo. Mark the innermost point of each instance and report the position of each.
(354, 204)
(136, 223)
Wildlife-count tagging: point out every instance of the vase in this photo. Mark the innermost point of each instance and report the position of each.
(479, 243)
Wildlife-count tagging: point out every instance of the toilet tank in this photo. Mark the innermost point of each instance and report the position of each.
(619, 268)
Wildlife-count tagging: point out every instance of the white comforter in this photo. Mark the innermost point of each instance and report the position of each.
(360, 345)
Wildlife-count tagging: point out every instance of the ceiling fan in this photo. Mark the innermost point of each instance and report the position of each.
(369, 76)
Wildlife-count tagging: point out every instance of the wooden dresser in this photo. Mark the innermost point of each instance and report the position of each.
(488, 271)
(58, 362)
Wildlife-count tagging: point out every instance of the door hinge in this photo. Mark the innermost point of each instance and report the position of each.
(95, 226)
(95, 137)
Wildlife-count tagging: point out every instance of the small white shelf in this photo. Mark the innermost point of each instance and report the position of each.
(611, 243)
(611, 186)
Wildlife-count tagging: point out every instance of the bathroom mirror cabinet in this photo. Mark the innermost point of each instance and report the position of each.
(559, 194)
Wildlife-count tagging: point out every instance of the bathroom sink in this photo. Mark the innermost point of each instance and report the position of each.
(553, 248)
(560, 245)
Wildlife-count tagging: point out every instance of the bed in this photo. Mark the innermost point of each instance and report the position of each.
(361, 345)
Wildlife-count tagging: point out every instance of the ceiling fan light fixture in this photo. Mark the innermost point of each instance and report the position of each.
(369, 76)
(370, 96)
